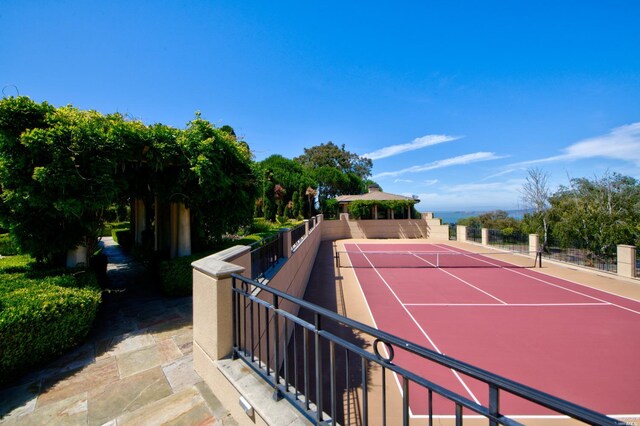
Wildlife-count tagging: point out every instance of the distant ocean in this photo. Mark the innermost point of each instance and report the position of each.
(454, 216)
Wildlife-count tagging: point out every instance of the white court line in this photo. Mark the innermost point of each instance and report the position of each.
(557, 285)
(419, 327)
(508, 305)
(463, 281)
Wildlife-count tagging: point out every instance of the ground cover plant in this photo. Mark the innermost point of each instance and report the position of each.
(43, 312)
(176, 275)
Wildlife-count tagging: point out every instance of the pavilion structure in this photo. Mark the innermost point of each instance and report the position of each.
(375, 194)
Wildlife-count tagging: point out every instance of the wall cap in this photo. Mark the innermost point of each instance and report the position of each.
(216, 265)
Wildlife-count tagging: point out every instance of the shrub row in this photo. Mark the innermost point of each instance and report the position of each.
(8, 246)
(42, 313)
(176, 275)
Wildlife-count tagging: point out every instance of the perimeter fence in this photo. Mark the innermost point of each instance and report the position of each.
(297, 234)
(577, 254)
(474, 234)
(265, 254)
(509, 239)
(453, 232)
(326, 364)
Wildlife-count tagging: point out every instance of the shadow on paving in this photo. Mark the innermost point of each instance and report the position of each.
(135, 365)
(325, 289)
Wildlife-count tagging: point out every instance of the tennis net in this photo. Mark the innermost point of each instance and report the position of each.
(444, 259)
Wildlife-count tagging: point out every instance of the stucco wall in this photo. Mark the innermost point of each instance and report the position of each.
(400, 228)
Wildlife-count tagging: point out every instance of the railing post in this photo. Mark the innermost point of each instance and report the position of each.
(306, 227)
(626, 258)
(213, 305)
(534, 244)
(494, 404)
(286, 236)
(485, 236)
(461, 233)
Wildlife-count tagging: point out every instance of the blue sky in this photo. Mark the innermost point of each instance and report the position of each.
(453, 100)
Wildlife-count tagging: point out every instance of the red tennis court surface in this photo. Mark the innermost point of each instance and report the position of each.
(561, 337)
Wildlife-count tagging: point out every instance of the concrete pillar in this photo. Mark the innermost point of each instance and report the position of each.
(485, 236)
(184, 230)
(286, 241)
(173, 231)
(626, 260)
(140, 217)
(77, 257)
(427, 215)
(392, 214)
(375, 212)
(534, 244)
(320, 218)
(212, 305)
(156, 227)
(306, 226)
(461, 233)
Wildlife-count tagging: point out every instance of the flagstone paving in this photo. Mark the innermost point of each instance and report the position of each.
(135, 369)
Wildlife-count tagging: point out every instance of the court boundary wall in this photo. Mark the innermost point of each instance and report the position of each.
(426, 227)
(626, 254)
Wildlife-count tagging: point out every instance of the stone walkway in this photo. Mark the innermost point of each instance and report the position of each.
(135, 368)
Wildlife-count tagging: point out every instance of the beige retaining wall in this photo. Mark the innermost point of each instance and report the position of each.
(396, 228)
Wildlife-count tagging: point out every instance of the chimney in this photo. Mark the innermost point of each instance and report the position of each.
(374, 188)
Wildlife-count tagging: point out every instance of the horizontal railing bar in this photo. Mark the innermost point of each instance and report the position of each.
(515, 388)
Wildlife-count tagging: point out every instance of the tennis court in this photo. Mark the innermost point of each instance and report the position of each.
(501, 314)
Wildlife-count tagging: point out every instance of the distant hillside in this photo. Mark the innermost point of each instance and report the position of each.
(455, 216)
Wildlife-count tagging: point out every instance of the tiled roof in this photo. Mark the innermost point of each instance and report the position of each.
(374, 195)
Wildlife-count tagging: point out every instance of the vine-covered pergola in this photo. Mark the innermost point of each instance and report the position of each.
(376, 204)
(61, 168)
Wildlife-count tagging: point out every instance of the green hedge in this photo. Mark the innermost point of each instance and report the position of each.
(363, 209)
(42, 313)
(176, 275)
(8, 246)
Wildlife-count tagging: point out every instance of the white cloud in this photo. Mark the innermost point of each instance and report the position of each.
(403, 181)
(622, 143)
(417, 143)
(430, 182)
(447, 162)
(502, 173)
(513, 185)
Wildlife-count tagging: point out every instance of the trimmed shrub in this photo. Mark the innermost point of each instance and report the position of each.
(42, 313)
(8, 246)
(176, 275)
(123, 237)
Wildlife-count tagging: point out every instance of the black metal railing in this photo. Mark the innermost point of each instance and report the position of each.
(510, 239)
(312, 223)
(453, 232)
(582, 257)
(265, 254)
(297, 234)
(325, 367)
(474, 234)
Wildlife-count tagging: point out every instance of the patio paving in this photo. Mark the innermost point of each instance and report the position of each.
(135, 367)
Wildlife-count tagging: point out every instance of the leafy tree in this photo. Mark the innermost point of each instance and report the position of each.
(62, 168)
(218, 184)
(497, 219)
(535, 195)
(58, 175)
(288, 175)
(596, 214)
(330, 155)
(311, 195)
